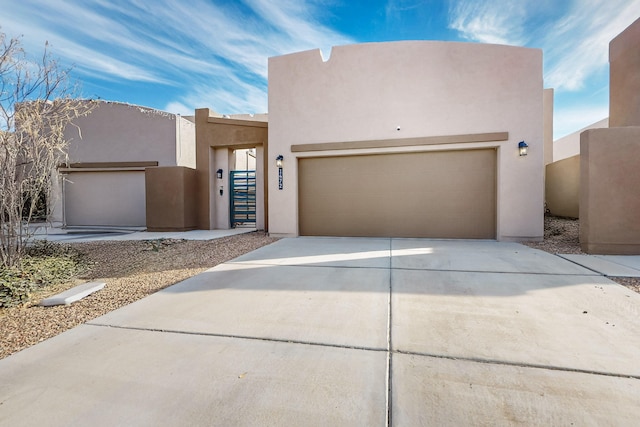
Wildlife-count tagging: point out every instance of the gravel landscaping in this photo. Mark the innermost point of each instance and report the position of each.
(135, 269)
(131, 269)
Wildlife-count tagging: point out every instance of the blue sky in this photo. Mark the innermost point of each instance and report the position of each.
(180, 55)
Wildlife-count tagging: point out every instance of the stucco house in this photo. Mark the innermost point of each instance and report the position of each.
(407, 139)
(103, 183)
(403, 139)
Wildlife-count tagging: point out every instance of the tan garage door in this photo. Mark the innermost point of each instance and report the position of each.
(105, 198)
(445, 194)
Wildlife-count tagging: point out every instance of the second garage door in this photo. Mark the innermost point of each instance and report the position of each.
(444, 194)
(105, 199)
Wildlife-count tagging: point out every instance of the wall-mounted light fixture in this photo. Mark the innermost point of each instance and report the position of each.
(522, 148)
(279, 161)
(219, 173)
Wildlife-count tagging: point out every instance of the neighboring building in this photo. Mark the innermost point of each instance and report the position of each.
(407, 139)
(609, 158)
(562, 183)
(569, 145)
(104, 182)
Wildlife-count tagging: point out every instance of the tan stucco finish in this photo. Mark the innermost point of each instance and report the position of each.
(216, 138)
(404, 91)
(402, 142)
(562, 187)
(445, 194)
(171, 198)
(569, 145)
(624, 77)
(609, 197)
(106, 148)
(548, 125)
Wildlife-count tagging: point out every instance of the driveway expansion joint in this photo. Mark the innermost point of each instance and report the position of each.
(241, 337)
(389, 391)
(535, 273)
(518, 364)
(578, 264)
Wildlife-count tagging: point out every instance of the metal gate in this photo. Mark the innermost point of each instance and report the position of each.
(243, 199)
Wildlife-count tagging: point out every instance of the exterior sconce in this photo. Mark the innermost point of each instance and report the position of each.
(279, 161)
(219, 173)
(522, 148)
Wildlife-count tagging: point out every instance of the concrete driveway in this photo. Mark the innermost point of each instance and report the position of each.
(336, 331)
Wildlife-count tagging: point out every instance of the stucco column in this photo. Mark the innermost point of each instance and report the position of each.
(222, 158)
(547, 121)
(260, 188)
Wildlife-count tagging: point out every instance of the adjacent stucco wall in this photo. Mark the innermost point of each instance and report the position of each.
(185, 142)
(115, 132)
(366, 92)
(112, 135)
(609, 182)
(548, 126)
(624, 75)
(171, 203)
(562, 187)
(245, 159)
(569, 145)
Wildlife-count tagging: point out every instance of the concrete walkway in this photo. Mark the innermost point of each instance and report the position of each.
(347, 332)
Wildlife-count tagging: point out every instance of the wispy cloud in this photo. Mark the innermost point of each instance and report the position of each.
(214, 52)
(574, 35)
(578, 45)
(490, 21)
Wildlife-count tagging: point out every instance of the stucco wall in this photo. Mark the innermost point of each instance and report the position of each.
(569, 145)
(115, 132)
(368, 91)
(562, 187)
(110, 137)
(185, 142)
(171, 203)
(609, 182)
(624, 75)
(548, 126)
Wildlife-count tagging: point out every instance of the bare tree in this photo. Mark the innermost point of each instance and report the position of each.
(37, 103)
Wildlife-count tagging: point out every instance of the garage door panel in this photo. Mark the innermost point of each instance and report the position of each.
(450, 194)
(105, 199)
